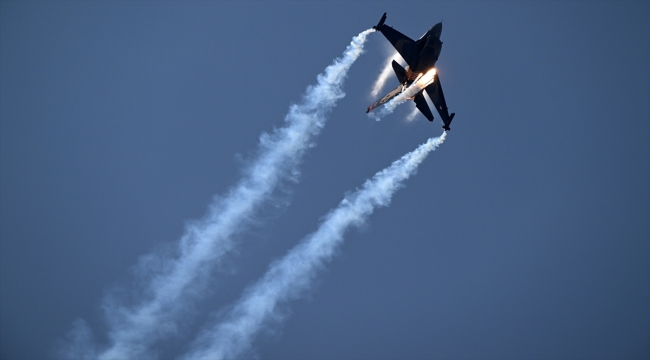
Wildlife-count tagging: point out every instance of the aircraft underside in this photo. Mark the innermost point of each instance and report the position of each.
(420, 55)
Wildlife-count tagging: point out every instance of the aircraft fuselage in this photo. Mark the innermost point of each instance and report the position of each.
(420, 56)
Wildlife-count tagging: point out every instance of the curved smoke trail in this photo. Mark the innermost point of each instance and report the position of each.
(179, 280)
(288, 278)
(411, 116)
(384, 75)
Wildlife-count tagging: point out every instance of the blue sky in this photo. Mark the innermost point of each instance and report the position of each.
(525, 235)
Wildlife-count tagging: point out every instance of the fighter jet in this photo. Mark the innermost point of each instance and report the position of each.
(420, 57)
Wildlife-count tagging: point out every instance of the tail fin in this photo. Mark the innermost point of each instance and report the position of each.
(399, 71)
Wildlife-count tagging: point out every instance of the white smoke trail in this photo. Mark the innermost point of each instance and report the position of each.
(292, 275)
(178, 280)
(384, 75)
(411, 116)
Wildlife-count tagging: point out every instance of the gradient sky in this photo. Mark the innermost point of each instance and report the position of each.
(525, 235)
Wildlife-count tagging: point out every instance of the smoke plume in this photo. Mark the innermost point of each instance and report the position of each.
(411, 116)
(384, 75)
(174, 282)
(289, 277)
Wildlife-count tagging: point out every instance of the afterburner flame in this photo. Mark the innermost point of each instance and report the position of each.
(427, 78)
(408, 93)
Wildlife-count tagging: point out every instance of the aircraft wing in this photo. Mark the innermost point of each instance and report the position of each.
(404, 45)
(438, 99)
(386, 98)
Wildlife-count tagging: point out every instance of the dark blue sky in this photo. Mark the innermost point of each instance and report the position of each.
(526, 235)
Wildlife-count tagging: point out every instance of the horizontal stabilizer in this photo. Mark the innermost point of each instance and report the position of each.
(399, 71)
(421, 104)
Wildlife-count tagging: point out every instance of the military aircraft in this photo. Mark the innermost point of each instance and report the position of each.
(420, 57)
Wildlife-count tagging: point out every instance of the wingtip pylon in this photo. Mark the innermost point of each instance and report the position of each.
(381, 22)
(446, 126)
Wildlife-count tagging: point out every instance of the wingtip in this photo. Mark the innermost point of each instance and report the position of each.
(381, 22)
